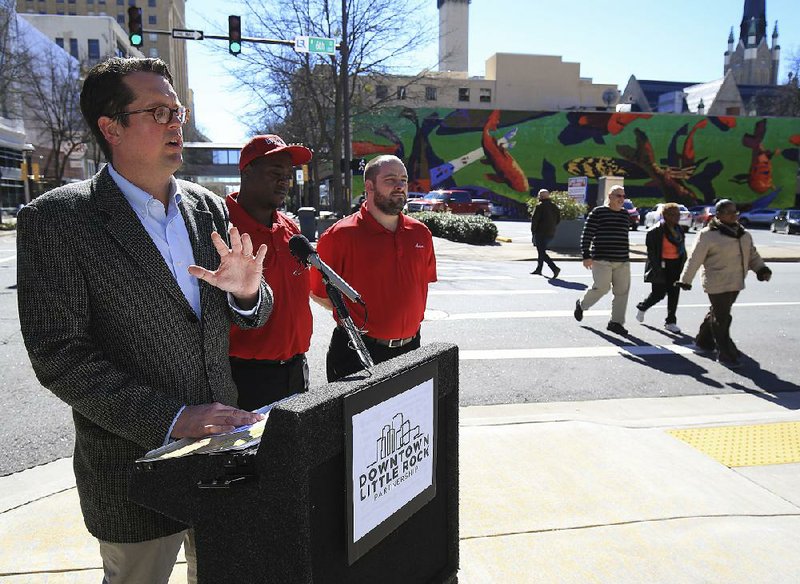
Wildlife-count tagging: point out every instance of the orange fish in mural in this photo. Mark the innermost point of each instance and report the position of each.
(366, 148)
(506, 170)
(687, 157)
(595, 126)
(795, 139)
(759, 179)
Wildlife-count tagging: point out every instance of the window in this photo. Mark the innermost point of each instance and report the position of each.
(486, 95)
(121, 18)
(151, 19)
(430, 93)
(59, 1)
(60, 41)
(152, 37)
(153, 52)
(94, 49)
(463, 94)
(101, 1)
(90, 1)
(71, 1)
(120, 2)
(151, 3)
(401, 93)
(225, 156)
(73, 47)
(381, 92)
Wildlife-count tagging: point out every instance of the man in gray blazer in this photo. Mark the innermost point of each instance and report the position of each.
(128, 283)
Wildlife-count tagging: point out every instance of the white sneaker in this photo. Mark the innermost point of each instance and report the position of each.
(640, 316)
(672, 327)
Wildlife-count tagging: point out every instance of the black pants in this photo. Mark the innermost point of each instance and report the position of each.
(263, 382)
(541, 242)
(672, 272)
(342, 360)
(715, 330)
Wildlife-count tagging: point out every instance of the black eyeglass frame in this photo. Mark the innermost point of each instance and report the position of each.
(176, 112)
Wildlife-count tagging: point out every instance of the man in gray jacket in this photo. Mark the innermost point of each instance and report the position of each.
(128, 283)
(726, 252)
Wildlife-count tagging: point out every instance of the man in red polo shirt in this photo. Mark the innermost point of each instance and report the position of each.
(388, 258)
(269, 363)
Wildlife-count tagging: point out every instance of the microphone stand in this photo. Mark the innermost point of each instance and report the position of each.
(344, 319)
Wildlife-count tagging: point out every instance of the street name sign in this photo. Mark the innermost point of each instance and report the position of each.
(185, 33)
(318, 45)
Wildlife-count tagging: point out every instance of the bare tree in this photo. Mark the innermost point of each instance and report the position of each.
(49, 89)
(302, 94)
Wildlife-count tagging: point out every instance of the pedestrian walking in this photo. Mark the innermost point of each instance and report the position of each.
(666, 255)
(269, 363)
(726, 252)
(605, 246)
(388, 258)
(126, 311)
(544, 221)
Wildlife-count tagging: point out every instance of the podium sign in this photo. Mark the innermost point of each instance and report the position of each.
(390, 453)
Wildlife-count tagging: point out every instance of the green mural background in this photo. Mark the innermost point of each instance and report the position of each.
(507, 155)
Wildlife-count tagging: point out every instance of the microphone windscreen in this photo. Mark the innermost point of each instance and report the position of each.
(300, 247)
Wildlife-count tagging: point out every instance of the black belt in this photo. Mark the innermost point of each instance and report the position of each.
(391, 343)
(267, 361)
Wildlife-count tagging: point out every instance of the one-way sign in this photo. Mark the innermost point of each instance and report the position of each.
(185, 33)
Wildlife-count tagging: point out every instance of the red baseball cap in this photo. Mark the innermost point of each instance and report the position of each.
(268, 144)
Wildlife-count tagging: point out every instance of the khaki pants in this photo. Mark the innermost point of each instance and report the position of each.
(148, 562)
(614, 276)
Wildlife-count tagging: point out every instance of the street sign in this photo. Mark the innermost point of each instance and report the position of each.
(185, 33)
(298, 176)
(318, 45)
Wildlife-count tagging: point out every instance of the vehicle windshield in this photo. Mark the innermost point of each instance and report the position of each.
(437, 195)
(794, 214)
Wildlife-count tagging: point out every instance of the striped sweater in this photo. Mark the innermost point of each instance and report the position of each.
(605, 235)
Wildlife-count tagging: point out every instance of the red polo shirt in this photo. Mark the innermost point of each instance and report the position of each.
(391, 271)
(288, 330)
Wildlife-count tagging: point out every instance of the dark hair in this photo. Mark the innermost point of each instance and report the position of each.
(723, 205)
(105, 94)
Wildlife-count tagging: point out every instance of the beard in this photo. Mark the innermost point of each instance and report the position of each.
(388, 203)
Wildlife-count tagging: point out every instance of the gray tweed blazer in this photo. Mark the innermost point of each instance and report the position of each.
(109, 332)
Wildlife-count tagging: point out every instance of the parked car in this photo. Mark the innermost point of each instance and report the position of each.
(633, 213)
(454, 201)
(654, 217)
(758, 217)
(497, 210)
(787, 221)
(701, 215)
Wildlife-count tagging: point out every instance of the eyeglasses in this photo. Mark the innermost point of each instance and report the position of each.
(161, 114)
(617, 196)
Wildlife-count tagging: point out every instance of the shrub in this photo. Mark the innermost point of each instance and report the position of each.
(461, 228)
(569, 207)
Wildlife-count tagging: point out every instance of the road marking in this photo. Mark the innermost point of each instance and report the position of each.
(8, 259)
(574, 352)
(569, 313)
(460, 278)
(487, 292)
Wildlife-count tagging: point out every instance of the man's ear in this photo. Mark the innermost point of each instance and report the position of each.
(110, 128)
(369, 186)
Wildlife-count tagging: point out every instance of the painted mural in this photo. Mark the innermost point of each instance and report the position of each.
(507, 155)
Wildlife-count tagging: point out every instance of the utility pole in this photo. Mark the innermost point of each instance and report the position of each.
(344, 51)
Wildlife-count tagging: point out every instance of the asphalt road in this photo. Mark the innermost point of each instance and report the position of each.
(517, 338)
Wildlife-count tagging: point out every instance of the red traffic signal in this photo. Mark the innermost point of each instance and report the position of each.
(234, 34)
(135, 26)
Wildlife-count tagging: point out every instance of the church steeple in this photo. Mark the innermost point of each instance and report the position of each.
(754, 10)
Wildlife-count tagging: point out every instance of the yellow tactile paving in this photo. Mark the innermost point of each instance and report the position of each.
(754, 445)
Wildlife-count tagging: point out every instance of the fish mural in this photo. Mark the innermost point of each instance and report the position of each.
(507, 154)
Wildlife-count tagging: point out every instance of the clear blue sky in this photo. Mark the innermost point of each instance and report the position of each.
(670, 40)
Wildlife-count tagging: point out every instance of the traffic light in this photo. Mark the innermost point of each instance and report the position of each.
(135, 26)
(357, 166)
(234, 34)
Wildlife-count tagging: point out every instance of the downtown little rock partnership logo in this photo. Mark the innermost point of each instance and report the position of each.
(398, 453)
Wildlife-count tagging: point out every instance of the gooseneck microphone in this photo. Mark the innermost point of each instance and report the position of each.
(301, 249)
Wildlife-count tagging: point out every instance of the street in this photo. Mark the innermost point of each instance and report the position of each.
(517, 338)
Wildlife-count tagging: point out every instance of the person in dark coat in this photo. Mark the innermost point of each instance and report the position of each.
(666, 254)
(544, 221)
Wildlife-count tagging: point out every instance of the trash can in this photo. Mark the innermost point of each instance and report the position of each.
(308, 222)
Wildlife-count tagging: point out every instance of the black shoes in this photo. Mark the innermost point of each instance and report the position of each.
(556, 272)
(536, 273)
(617, 328)
(578, 311)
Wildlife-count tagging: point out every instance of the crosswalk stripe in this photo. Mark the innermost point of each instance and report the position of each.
(8, 259)
(574, 352)
(488, 292)
(473, 277)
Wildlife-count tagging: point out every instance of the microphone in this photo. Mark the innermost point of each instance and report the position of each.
(305, 254)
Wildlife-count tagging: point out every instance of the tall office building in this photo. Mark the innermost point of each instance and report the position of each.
(156, 15)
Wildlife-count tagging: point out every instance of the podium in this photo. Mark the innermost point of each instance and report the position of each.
(352, 482)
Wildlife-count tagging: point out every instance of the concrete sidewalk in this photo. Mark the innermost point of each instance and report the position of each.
(555, 492)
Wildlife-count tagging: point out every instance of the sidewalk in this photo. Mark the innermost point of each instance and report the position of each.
(570, 492)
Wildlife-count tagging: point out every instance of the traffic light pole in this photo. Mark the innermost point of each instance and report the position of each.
(219, 37)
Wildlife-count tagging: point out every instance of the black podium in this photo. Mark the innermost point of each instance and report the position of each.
(284, 512)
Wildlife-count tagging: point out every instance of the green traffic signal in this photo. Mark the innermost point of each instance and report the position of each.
(135, 26)
(234, 34)
(136, 40)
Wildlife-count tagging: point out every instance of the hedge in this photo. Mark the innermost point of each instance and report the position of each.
(473, 229)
